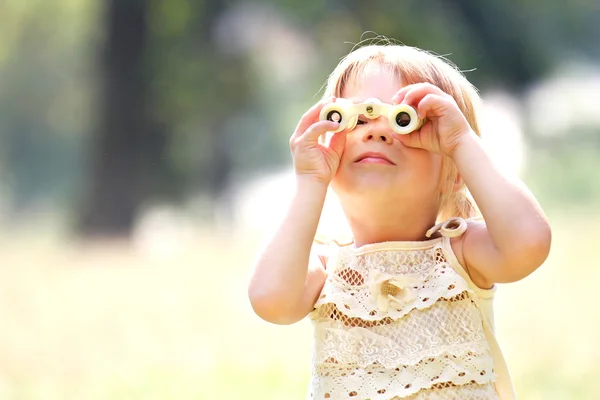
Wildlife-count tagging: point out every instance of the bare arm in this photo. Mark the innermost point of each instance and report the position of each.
(282, 288)
(284, 285)
(515, 239)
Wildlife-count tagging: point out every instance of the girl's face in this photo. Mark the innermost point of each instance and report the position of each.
(373, 163)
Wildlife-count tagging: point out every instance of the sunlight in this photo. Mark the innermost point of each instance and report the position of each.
(502, 133)
(566, 100)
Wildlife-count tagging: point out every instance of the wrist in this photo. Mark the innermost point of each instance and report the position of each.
(464, 144)
(306, 184)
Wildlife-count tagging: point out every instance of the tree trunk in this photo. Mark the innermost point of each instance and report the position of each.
(217, 171)
(122, 141)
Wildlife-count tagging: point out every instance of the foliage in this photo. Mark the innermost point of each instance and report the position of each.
(227, 81)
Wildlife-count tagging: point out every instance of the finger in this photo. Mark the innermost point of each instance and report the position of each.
(432, 105)
(414, 95)
(399, 96)
(311, 116)
(412, 140)
(312, 134)
(338, 142)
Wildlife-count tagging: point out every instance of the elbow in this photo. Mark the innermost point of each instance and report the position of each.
(270, 308)
(538, 246)
(529, 256)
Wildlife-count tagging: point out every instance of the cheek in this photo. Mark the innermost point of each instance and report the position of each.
(350, 151)
(426, 161)
(428, 167)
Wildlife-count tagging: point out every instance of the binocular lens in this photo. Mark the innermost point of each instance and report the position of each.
(403, 119)
(334, 116)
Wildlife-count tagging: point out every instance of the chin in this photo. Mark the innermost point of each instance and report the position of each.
(365, 183)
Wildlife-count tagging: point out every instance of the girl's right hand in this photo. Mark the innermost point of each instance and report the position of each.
(312, 159)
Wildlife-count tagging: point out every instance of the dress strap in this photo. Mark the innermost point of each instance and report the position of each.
(451, 228)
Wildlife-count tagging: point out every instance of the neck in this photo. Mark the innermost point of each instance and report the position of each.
(374, 223)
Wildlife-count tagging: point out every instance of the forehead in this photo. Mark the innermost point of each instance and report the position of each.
(373, 81)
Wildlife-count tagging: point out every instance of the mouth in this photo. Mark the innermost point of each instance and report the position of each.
(374, 158)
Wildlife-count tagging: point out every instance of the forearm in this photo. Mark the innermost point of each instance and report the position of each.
(280, 273)
(513, 217)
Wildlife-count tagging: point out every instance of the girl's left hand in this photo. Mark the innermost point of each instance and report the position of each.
(445, 125)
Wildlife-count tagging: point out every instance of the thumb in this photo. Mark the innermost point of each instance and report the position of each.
(338, 142)
(412, 139)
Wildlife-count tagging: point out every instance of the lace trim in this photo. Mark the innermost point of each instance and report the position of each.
(453, 328)
(331, 311)
(367, 289)
(470, 391)
(414, 382)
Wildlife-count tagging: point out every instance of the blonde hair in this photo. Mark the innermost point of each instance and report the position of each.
(414, 65)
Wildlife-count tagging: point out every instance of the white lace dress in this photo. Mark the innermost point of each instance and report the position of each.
(402, 320)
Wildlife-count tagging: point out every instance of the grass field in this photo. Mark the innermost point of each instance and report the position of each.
(113, 321)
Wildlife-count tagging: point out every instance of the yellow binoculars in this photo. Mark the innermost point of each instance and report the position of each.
(403, 119)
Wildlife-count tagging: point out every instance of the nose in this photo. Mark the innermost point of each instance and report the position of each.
(378, 131)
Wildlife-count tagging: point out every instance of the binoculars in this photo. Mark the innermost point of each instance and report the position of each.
(402, 118)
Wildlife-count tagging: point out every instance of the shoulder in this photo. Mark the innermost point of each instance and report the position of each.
(502, 257)
(461, 247)
(324, 246)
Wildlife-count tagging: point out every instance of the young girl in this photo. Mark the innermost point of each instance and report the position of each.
(402, 310)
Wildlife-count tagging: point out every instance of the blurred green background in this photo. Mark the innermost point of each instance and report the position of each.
(144, 161)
